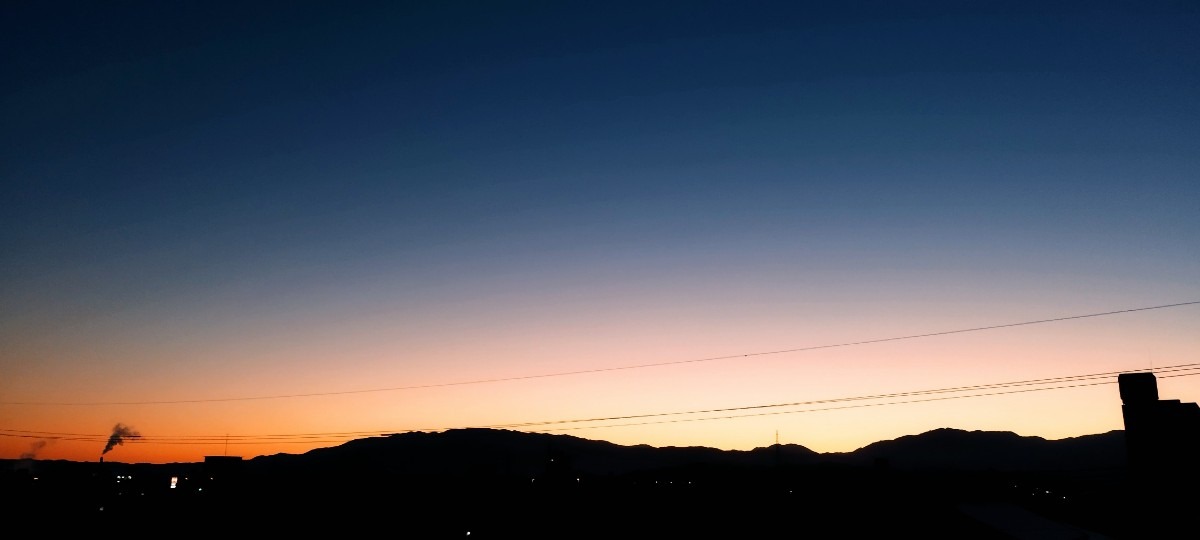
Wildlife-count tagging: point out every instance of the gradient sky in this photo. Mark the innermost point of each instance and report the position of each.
(209, 203)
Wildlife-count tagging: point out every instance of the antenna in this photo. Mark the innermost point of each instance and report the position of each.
(227, 444)
(777, 456)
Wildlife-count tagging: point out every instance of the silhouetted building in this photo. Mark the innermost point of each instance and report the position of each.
(1162, 439)
(1162, 436)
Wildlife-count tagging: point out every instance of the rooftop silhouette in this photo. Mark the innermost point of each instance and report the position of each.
(1163, 441)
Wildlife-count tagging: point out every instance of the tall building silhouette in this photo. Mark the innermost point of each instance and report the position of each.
(1162, 436)
(1162, 441)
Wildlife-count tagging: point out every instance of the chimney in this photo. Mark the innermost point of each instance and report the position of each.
(1138, 388)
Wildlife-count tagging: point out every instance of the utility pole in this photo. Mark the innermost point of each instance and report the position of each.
(777, 448)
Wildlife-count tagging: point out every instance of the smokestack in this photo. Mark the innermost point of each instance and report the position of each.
(120, 432)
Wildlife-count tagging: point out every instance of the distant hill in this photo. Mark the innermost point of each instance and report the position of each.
(511, 484)
(505, 452)
(956, 449)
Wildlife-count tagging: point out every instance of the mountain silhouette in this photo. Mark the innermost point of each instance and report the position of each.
(505, 452)
(956, 449)
(493, 451)
(511, 484)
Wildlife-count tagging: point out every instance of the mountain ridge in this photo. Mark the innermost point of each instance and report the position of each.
(498, 451)
(451, 482)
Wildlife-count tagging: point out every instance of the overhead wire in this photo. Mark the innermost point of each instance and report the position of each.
(856, 406)
(968, 391)
(603, 369)
(1052, 380)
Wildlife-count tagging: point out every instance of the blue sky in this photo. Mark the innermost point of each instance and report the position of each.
(199, 172)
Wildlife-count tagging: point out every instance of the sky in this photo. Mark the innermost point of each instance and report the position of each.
(236, 228)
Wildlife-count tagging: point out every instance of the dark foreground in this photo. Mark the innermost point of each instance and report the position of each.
(809, 502)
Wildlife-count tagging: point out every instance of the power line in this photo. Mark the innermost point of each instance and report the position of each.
(1072, 378)
(830, 408)
(943, 398)
(601, 370)
(97, 439)
(1064, 382)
